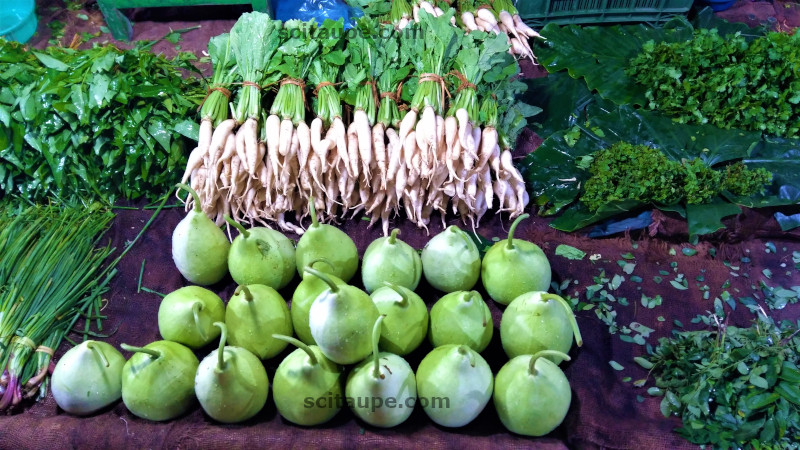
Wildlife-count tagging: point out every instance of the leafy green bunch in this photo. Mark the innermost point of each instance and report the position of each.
(637, 172)
(731, 387)
(100, 123)
(725, 80)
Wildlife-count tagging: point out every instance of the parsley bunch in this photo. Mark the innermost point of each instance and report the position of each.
(725, 81)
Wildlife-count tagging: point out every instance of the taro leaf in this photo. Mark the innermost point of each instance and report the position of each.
(782, 158)
(562, 99)
(551, 174)
(579, 216)
(600, 55)
(707, 218)
(787, 222)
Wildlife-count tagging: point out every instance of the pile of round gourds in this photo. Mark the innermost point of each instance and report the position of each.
(337, 326)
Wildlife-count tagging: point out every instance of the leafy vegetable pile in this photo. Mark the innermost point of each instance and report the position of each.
(434, 117)
(729, 81)
(101, 123)
(590, 102)
(732, 385)
(638, 172)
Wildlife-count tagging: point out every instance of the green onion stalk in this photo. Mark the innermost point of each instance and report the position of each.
(53, 273)
(296, 55)
(401, 10)
(215, 106)
(254, 39)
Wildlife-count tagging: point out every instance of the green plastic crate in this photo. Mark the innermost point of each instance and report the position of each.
(537, 13)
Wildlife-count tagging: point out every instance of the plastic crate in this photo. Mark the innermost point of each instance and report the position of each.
(537, 13)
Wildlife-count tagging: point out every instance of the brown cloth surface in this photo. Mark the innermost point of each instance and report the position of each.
(604, 412)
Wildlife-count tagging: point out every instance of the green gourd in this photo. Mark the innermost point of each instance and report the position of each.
(260, 255)
(513, 267)
(231, 383)
(158, 380)
(307, 387)
(388, 259)
(451, 261)
(461, 318)
(87, 378)
(302, 299)
(328, 242)
(187, 316)
(406, 323)
(537, 321)
(253, 315)
(199, 247)
(532, 394)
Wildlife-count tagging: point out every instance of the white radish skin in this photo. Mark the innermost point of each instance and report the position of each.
(494, 160)
(352, 149)
(314, 167)
(230, 148)
(407, 124)
(273, 128)
(402, 23)
(453, 23)
(304, 139)
(395, 151)
(437, 12)
(316, 136)
(414, 171)
(517, 48)
(488, 192)
(507, 164)
(400, 180)
(508, 22)
(204, 136)
(469, 21)
(487, 16)
(364, 142)
(251, 144)
(440, 137)
(409, 148)
(489, 141)
(428, 8)
(340, 136)
(476, 141)
(240, 147)
(287, 131)
(415, 13)
(380, 150)
(195, 161)
(525, 29)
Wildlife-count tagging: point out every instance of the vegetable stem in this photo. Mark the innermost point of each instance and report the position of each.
(510, 245)
(98, 352)
(150, 351)
(196, 308)
(376, 336)
(571, 315)
(221, 350)
(238, 226)
(197, 205)
(322, 276)
(302, 346)
(532, 365)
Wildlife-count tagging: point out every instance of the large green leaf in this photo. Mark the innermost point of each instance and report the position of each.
(579, 216)
(707, 218)
(600, 54)
(561, 98)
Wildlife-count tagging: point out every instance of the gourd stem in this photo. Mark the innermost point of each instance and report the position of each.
(403, 297)
(238, 226)
(312, 210)
(152, 352)
(196, 308)
(532, 365)
(575, 330)
(90, 345)
(248, 296)
(376, 337)
(464, 350)
(322, 276)
(519, 219)
(299, 345)
(322, 260)
(193, 193)
(221, 350)
(393, 237)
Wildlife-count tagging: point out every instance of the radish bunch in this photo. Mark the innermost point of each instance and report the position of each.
(428, 126)
(497, 16)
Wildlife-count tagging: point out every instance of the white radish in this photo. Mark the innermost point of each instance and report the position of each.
(204, 136)
(488, 192)
(251, 144)
(407, 124)
(415, 13)
(304, 139)
(487, 15)
(428, 8)
(488, 143)
(340, 136)
(380, 150)
(316, 136)
(469, 21)
(195, 161)
(273, 129)
(437, 12)
(402, 23)
(508, 165)
(364, 142)
(400, 179)
(287, 131)
(525, 29)
(352, 149)
(409, 148)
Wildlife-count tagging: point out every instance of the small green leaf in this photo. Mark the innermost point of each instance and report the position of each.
(628, 255)
(615, 365)
(688, 251)
(643, 362)
(82, 16)
(570, 252)
(767, 273)
(677, 285)
(628, 268)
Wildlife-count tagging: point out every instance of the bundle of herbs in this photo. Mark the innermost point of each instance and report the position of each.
(52, 273)
(732, 387)
(100, 123)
